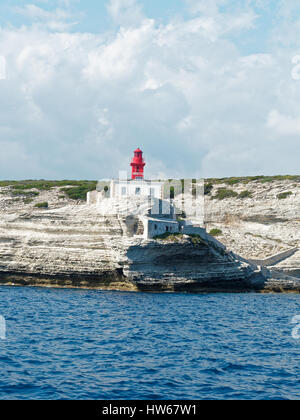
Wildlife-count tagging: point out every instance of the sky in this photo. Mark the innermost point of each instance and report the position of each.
(207, 88)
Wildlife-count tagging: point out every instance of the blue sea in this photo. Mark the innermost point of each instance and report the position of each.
(80, 344)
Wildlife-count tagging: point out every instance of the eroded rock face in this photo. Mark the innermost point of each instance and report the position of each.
(261, 225)
(73, 245)
(185, 265)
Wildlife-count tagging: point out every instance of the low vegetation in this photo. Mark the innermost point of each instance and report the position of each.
(176, 237)
(23, 193)
(79, 192)
(208, 187)
(215, 232)
(167, 236)
(75, 190)
(223, 193)
(42, 184)
(43, 205)
(284, 195)
(245, 194)
(196, 239)
(259, 179)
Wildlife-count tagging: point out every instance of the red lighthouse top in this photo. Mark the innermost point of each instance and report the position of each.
(138, 165)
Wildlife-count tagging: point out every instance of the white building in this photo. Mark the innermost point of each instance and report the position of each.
(139, 204)
(136, 187)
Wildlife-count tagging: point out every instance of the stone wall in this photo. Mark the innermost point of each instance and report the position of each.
(156, 227)
(275, 259)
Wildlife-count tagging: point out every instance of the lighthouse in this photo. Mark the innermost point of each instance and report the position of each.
(137, 165)
(137, 185)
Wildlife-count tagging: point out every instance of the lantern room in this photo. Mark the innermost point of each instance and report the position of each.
(137, 165)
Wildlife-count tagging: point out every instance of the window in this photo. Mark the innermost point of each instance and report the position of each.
(152, 192)
(137, 191)
(167, 228)
(155, 227)
(124, 191)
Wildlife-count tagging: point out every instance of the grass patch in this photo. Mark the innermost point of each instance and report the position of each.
(223, 193)
(245, 194)
(27, 200)
(215, 232)
(284, 195)
(24, 193)
(196, 239)
(44, 185)
(79, 192)
(44, 205)
(176, 237)
(167, 236)
(259, 178)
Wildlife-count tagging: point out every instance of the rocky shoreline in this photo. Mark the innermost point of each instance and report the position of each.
(70, 245)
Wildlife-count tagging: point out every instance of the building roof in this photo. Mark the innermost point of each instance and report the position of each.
(137, 181)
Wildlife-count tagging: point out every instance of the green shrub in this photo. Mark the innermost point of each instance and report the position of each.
(42, 205)
(208, 188)
(23, 193)
(79, 192)
(284, 195)
(28, 200)
(234, 181)
(167, 236)
(196, 239)
(45, 185)
(215, 232)
(258, 178)
(175, 237)
(245, 194)
(223, 193)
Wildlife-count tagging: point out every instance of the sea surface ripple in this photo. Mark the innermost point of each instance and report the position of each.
(81, 344)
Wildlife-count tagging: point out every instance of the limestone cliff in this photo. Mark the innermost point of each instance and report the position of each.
(264, 223)
(73, 245)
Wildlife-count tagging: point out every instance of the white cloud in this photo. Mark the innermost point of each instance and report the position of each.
(283, 124)
(57, 20)
(121, 57)
(77, 104)
(125, 12)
